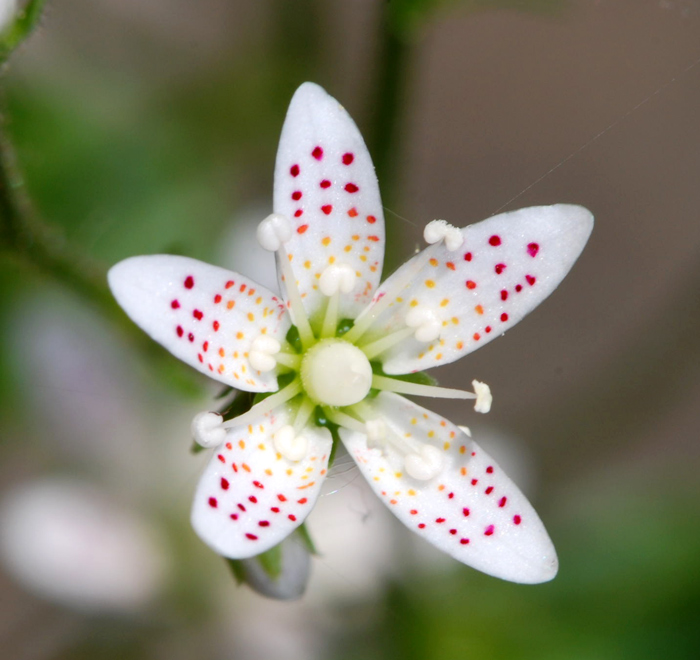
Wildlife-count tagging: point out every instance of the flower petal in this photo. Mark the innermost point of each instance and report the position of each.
(506, 266)
(325, 184)
(204, 315)
(471, 510)
(250, 497)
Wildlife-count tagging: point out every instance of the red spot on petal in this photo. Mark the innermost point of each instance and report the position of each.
(517, 519)
(179, 331)
(465, 511)
(217, 298)
(234, 516)
(451, 495)
(518, 288)
(241, 507)
(281, 498)
(374, 239)
(200, 358)
(471, 284)
(533, 249)
(257, 484)
(298, 213)
(292, 517)
(275, 509)
(348, 158)
(189, 282)
(489, 469)
(502, 502)
(205, 346)
(453, 532)
(224, 483)
(252, 537)
(253, 499)
(495, 240)
(317, 153)
(327, 208)
(371, 219)
(504, 295)
(353, 212)
(229, 284)
(421, 525)
(414, 512)
(296, 195)
(504, 317)
(488, 329)
(468, 256)
(499, 268)
(302, 229)
(464, 541)
(198, 315)
(264, 523)
(351, 188)
(174, 304)
(439, 520)
(325, 183)
(477, 336)
(190, 337)
(221, 458)
(530, 279)
(216, 326)
(213, 503)
(303, 500)
(489, 490)
(294, 170)
(474, 482)
(489, 530)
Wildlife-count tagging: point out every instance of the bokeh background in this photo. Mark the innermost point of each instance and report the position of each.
(147, 127)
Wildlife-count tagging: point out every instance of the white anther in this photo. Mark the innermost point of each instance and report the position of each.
(466, 429)
(426, 322)
(292, 446)
(273, 231)
(437, 230)
(207, 429)
(375, 430)
(337, 277)
(262, 352)
(483, 397)
(424, 465)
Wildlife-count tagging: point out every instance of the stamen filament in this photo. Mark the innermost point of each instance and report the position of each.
(345, 420)
(417, 389)
(377, 347)
(266, 405)
(291, 360)
(330, 321)
(305, 409)
(299, 316)
(367, 318)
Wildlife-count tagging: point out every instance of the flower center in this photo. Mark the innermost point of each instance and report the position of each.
(336, 373)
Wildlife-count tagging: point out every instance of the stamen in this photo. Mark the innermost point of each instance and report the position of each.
(345, 420)
(291, 360)
(377, 347)
(335, 279)
(484, 399)
(371, 313)
(330, 320)
(426, 322)
(417, 389)
(208, 430)
(437, 230)
(426, 464)
(274, 231)
(290, 444)
(266, 405)
(262, 353)
(305, 409)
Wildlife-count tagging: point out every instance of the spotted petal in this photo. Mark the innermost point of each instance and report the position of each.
(250, 497)
(326, 185)
(204, 315)
(471, 510)
(506, 266)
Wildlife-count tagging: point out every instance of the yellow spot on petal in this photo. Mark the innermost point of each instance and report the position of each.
(414, 421)
(231, 304)
(307, 264)
(430, 284)
(347, 248)
(239, 335)
(462, 449)
(431, 434)
(268, 472)
(251, 316)
(413, 303)
(446, 446)
(463, 472)
(444, 302)
(398, 475)
(326, 241)
(433, 262)
(412, 492)
(460, 345)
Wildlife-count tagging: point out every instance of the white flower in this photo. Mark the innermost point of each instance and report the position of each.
(337, 350)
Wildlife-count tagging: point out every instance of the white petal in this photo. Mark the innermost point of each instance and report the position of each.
(471, 510)
(506, 266)
(326, 185)
(250, 497)
(204, 315)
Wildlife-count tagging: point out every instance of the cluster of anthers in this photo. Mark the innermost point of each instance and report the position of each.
(331, 360)
(332, 367)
